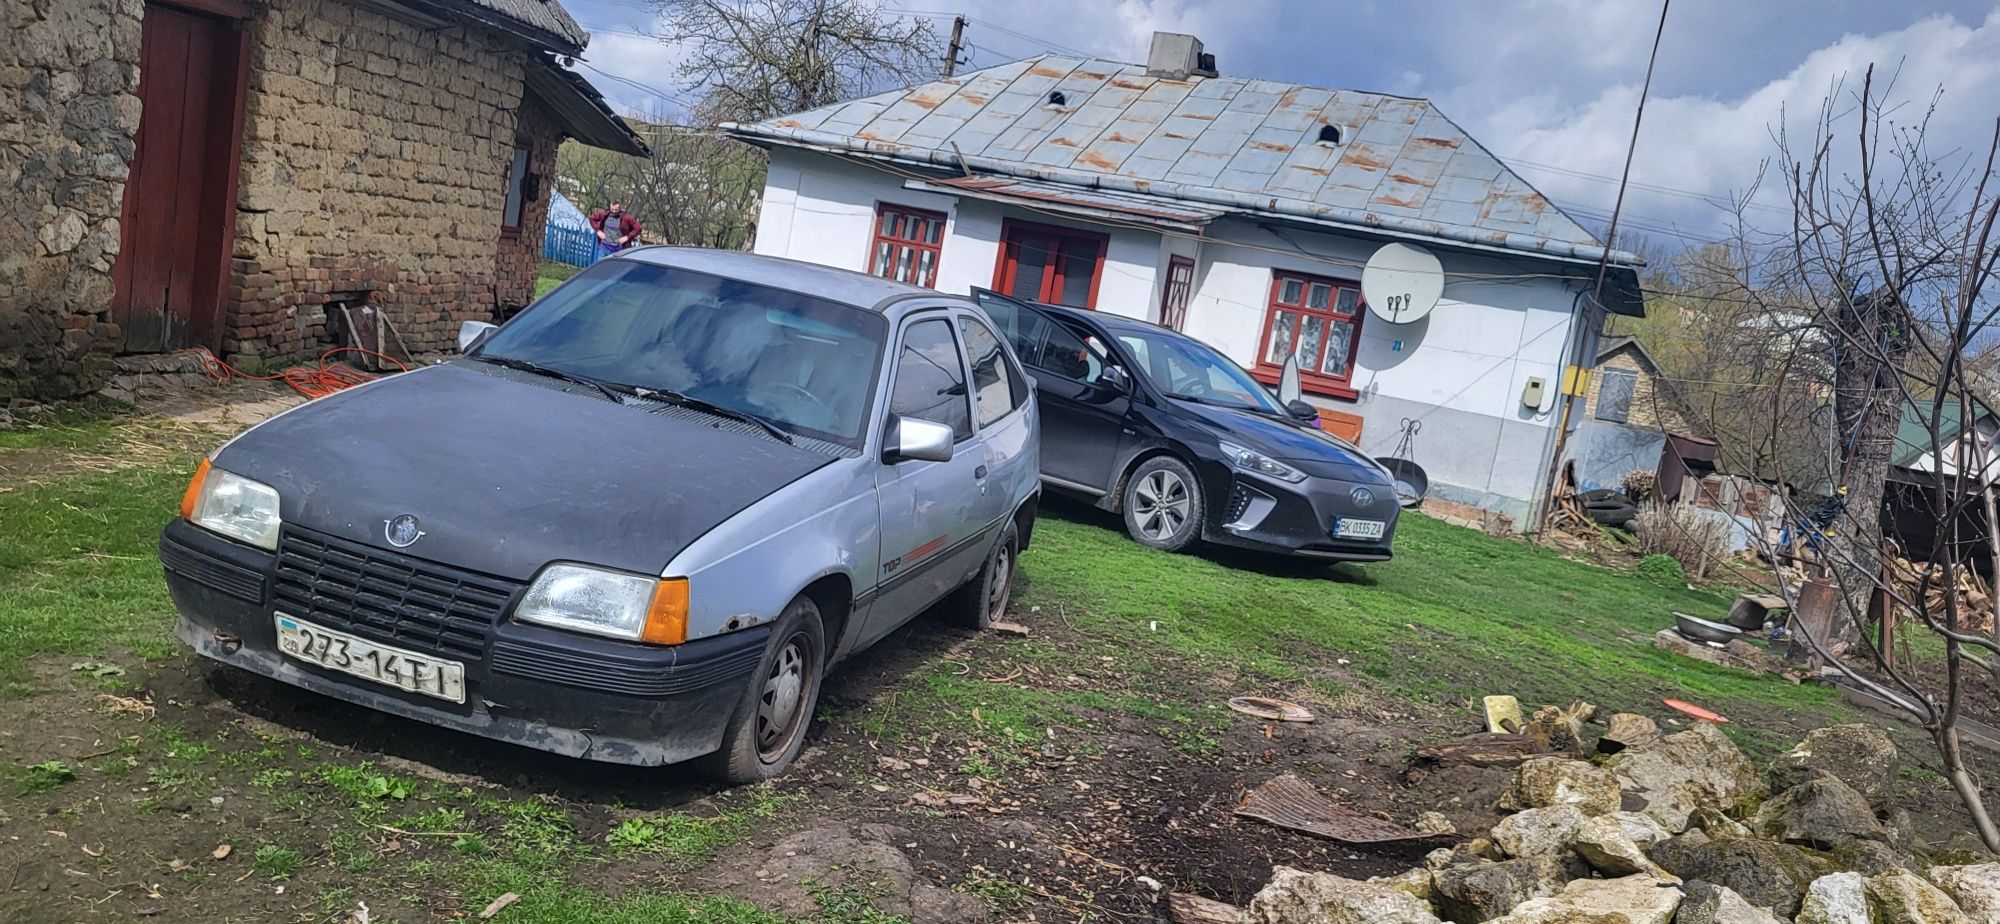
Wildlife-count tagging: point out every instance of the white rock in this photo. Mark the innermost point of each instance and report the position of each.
(1299, 897)
(1975, 888)
(1687, 770)
(1641, 828)
(1546, 781)
(1538, 831)
(1603, 843)
(1841, 898)
(1631, 900)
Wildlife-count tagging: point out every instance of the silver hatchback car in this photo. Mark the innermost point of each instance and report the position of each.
(637, 522)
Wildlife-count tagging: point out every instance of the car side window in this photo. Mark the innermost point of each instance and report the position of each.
(1022, 327)
(1064, 353)
(930, 379)
(997, 388)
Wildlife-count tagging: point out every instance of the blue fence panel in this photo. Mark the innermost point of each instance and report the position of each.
(574, 246)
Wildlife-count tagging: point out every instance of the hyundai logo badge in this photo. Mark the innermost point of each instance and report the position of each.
(1361, 496)
(402, 531)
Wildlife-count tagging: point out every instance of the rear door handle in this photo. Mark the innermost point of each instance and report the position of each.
(979, 472)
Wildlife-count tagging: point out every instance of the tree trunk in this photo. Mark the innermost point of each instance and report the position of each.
(1868, 404)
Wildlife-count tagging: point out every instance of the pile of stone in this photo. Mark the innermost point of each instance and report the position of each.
(1681, 830)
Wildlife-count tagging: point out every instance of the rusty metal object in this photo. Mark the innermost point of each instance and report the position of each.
(1289, 802)
(1488, 749)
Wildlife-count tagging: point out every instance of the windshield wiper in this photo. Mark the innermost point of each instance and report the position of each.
(539, 369)
(709, 407)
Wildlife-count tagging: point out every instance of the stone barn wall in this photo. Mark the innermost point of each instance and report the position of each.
(69, 108)
(375, 158)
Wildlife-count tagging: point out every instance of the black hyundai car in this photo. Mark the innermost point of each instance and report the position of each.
(1164, 429)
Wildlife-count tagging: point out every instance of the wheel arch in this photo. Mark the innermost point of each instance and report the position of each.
(833, 594)
(1114, 500)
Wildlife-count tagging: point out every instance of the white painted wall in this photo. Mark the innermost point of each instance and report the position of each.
(1461, 371)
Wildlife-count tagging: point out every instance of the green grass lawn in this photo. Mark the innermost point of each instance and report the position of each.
(553, 274)
(1455, 615)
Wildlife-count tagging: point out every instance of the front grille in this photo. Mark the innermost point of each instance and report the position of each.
(381, 595)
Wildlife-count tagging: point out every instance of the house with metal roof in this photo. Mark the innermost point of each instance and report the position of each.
(1240, 211)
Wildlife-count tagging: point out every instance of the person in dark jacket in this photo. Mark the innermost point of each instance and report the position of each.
(616, 228)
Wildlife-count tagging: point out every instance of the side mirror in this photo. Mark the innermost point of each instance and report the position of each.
(473, 333)
(1115, 378)
(1302, 410)
(922, 440)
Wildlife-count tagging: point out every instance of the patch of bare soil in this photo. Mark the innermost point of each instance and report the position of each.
(169, 423)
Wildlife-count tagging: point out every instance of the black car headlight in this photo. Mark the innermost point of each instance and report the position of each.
(1261, 464)
(231, 505)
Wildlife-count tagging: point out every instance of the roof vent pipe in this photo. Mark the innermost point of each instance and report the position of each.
(1176, 56)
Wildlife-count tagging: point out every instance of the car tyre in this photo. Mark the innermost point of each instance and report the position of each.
(768, 728)
(983, 600)
(1163, 504)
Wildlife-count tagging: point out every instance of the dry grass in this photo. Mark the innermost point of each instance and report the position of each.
(1696, 538)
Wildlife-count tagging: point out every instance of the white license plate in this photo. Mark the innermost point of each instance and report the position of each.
(384, 664)
(1345, 528)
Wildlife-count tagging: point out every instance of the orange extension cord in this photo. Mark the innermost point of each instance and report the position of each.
(317, 382)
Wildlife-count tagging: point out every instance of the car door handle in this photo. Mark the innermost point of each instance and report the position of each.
(979, 472)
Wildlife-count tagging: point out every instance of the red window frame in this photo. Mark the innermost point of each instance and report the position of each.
(1014, 233)
(903, 232)
(1178, 291)
(1282, 302)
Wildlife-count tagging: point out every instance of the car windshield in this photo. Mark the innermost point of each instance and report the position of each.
(1191, 370)
(804, 363)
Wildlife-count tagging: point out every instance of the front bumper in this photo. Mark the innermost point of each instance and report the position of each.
(1297, 519)
(576, 695)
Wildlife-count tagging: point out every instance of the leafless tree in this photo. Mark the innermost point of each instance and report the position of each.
(1890, 254)
(754, 59)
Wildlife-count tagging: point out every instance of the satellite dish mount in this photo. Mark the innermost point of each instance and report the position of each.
(1402, 283)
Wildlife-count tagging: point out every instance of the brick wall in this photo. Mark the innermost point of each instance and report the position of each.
(520, 255)
(68, 112)
(375, 158)
(1652, 408)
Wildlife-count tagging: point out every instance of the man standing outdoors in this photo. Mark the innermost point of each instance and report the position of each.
(616, 229)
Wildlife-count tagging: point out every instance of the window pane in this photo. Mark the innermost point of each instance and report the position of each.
(1317, 296)
(1339, 344)
(903, 264)
(1289, 291)
(895, 224)
(935, 229)
(1079, 264)
(1310, 341)
(924, 275)
(1347, 299)
(1065, 355)
(882, 252)
(1614, 394)
(1031, 267)
(1283, 329)
(517, 177)
(992, 389)
(930, 383)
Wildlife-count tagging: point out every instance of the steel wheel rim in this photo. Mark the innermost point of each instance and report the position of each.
(781, 702)
(1002, 585)
(1160, 505)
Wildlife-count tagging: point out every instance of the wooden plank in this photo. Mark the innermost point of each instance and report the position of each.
(1183, 908)
(189, 191)
(1289, 802)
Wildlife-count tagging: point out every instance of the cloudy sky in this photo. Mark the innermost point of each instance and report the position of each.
(1549, 85)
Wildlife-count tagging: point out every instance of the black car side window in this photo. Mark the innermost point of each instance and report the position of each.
(930, 379)
(997, 388)
(1064, 353)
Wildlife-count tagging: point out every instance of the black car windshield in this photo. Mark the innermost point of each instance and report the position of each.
(805, 363)
(1193, 371)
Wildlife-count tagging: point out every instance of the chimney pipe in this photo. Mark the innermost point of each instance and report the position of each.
(1176, 56)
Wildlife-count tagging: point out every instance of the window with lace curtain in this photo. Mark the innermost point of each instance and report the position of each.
(908, 243)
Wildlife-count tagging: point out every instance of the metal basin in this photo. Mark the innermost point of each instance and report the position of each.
(1701, 630)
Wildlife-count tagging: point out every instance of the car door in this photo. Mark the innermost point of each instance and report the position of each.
(933, 513)
(1003, 414)
(1082, 416)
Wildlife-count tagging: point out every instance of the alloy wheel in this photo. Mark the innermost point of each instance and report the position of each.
(1161, 507)
(781, 707)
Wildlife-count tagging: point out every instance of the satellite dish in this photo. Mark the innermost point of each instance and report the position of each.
(1401, 283)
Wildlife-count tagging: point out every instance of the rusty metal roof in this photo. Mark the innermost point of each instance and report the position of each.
(1400, 168)
(1091, 203)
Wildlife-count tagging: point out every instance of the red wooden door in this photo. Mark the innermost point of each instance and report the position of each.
(1047, 264)
(178, 200)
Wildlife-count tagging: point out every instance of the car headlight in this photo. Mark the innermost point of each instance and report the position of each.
(232, 505)
(609, 603)
(1261, 464)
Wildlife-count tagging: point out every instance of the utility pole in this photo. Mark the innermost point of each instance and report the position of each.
(957, 42)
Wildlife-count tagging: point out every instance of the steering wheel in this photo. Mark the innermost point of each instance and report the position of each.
(825, 411)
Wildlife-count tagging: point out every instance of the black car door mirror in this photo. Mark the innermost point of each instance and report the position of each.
(1302, 410)
(1115, 379)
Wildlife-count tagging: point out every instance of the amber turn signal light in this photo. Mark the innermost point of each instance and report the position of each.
(193, 493)
(667, 618)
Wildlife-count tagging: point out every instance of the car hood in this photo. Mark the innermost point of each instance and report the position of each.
(506, 475)
(1315, 452)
